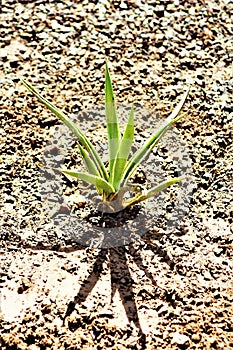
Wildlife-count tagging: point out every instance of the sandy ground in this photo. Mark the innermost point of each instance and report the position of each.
(171, 289)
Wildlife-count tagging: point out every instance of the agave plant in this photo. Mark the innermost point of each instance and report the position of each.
(112, 182)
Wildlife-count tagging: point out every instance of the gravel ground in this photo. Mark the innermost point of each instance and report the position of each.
(168, 290)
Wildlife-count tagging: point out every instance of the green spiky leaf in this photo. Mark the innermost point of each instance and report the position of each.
(124, 151)
(91, 179)
(153, 191)
(76, 131)
(112, 121)
(140, 155)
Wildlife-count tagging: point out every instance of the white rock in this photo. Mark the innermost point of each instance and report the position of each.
(180, 338)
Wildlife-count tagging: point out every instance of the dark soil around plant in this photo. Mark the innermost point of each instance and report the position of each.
(169, 288)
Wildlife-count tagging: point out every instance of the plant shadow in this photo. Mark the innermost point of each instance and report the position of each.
(121, 279)
(118, 261)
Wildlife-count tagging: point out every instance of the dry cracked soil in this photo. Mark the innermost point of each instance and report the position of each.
(172, 287)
